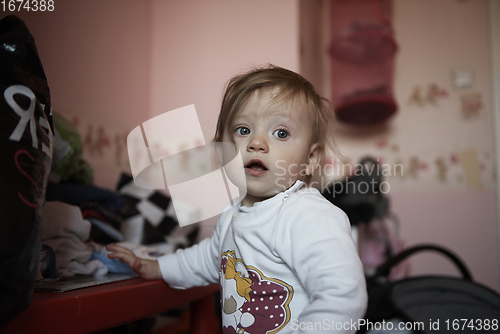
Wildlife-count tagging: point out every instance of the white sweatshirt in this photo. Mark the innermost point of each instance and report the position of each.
(288, 264)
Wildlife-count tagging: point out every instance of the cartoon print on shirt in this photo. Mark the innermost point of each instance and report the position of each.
(251, 302)
(235, 290)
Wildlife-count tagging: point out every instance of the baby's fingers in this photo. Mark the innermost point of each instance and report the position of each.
(136, 265)
(119, 249)
(126, 258)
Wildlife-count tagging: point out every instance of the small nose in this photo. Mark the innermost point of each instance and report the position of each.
(258, 144)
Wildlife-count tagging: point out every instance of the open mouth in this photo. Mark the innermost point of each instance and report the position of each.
(255, 167)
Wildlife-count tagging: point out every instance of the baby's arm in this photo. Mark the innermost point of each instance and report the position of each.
(194, 266)
(147, 269)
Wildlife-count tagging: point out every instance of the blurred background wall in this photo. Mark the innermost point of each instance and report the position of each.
(442, 136)
(114, 64)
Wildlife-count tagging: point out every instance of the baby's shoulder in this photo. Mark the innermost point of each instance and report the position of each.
(308, 203)
(311, 198)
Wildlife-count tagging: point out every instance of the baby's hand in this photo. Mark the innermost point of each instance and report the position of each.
(147, 269)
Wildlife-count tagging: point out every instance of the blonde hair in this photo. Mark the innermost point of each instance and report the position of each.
(291, 86)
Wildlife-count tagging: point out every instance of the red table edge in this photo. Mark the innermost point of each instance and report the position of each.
(105, 306)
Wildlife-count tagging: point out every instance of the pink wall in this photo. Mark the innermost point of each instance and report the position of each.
(464, 222)
(198, 45)
(119, 63)
(435, 38)
(461, 217)
(96, 56)
(122, 62)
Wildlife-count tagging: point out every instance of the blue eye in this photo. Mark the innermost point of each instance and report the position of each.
(243, 131)
(281, 134)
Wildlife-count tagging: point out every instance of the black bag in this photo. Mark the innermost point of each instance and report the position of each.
(360, 196)
(429, 304)
(26, 134)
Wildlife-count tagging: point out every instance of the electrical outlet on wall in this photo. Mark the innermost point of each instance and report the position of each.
(462, 78)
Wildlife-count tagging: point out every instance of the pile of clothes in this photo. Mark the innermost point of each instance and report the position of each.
(79, 218)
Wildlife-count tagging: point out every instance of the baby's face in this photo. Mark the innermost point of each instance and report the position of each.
(274, 138)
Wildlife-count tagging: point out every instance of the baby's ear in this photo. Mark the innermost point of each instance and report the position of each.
(315, 156)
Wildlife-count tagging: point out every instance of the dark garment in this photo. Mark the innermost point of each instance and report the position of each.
(78, 194)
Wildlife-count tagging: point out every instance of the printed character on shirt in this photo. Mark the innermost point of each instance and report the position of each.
(251, 302)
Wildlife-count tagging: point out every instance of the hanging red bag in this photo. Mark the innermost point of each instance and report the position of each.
(362, 55)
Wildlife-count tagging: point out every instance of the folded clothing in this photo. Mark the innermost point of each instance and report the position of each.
(65, 231)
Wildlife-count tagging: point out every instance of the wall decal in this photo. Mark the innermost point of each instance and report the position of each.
(442, 169)
(470, 164)
(431, 95)
(472, 104)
